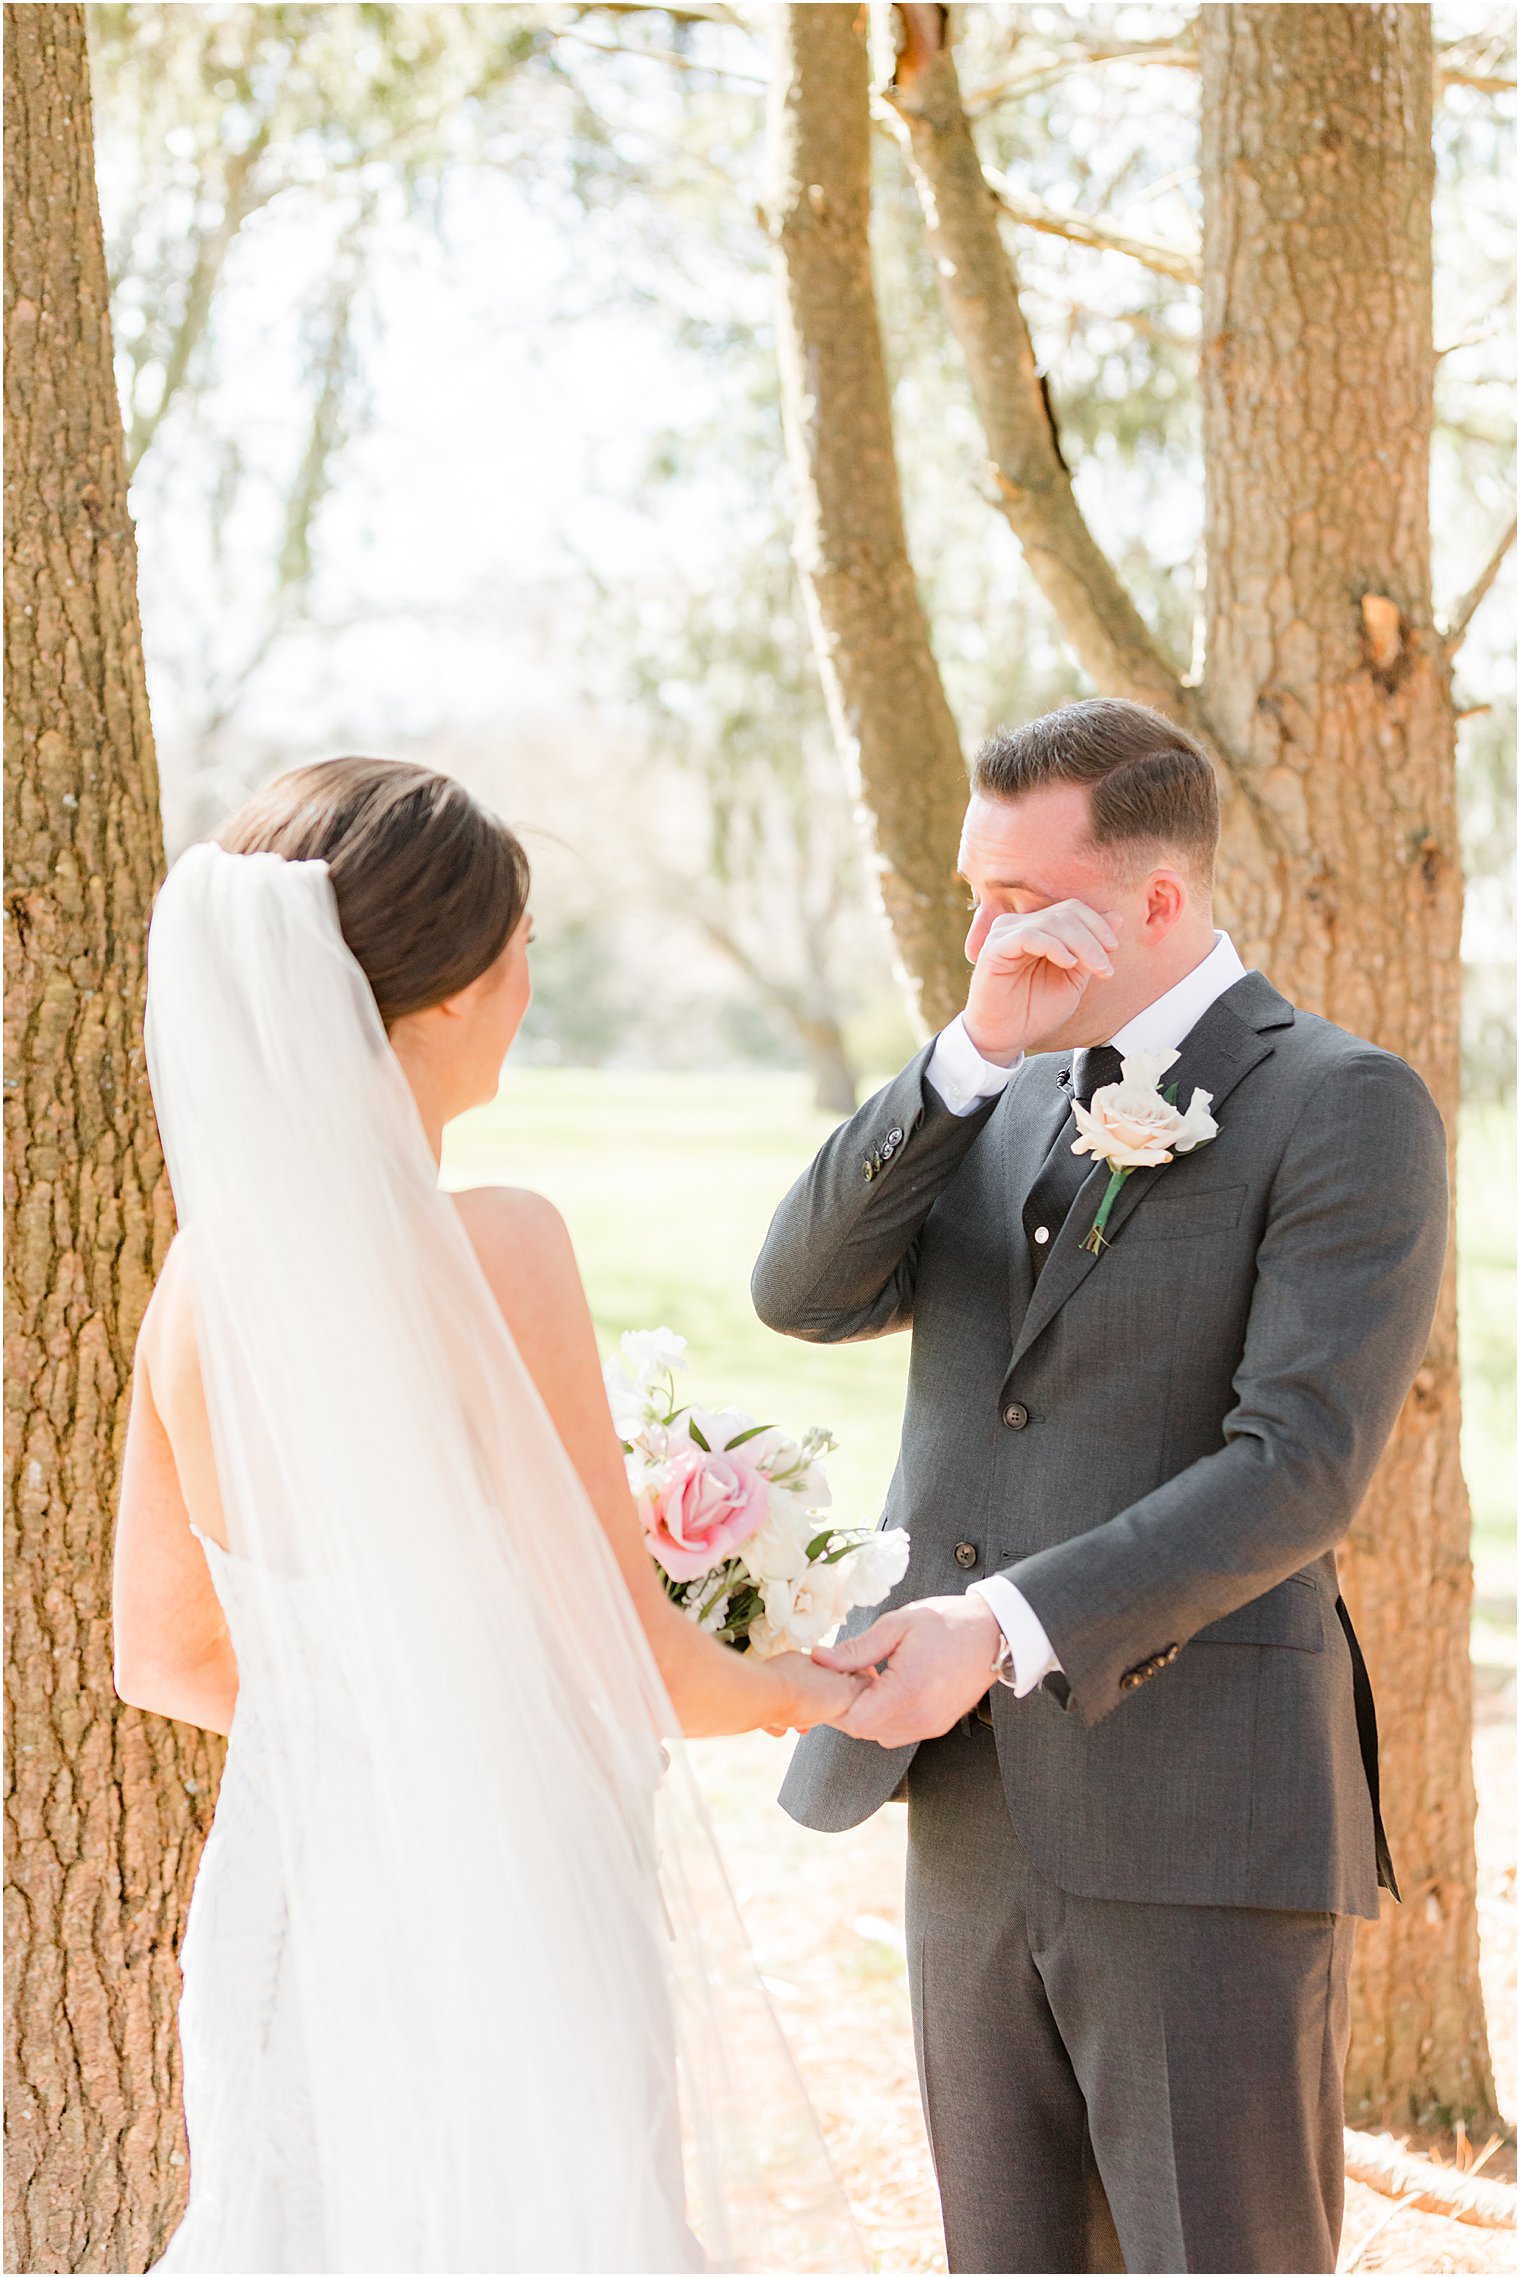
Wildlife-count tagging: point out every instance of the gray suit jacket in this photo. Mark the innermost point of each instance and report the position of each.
(1160, 1445)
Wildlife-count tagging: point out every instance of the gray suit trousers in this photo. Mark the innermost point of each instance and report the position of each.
(1113, 2085)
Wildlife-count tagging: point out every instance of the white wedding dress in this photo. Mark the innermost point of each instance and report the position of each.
(463, 1985)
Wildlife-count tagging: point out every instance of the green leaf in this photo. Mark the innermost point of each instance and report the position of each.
(820, 1542)
(753, 1432)
(701, 1442)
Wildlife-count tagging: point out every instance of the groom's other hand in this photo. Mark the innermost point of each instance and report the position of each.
(1032, 970)
(938, 1657)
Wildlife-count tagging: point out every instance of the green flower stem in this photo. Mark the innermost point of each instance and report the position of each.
(722, 1590)
(1095, 1241)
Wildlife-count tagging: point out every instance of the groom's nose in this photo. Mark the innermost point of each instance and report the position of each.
(981, 925)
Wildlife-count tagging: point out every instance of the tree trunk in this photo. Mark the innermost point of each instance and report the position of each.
(890, 715)
(835, 1091)
(105, 1809)
(1329, 686)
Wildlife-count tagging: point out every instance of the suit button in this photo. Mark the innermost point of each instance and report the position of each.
(965, 1554)
(1016, 1415)
(894, 1138)
(1042, 1234)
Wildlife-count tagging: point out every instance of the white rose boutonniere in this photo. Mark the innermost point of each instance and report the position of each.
(1133, 1125)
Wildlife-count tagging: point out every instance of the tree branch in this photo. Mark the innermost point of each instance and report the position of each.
(1480, 81)
(1474, 598)
(240, 198)
(1176, 261)
(981, 101)
(981, 300)
(667, 56)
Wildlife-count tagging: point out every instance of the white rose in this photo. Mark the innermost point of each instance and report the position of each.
(803, 1608)
(778, 1549)
(1130, 1125)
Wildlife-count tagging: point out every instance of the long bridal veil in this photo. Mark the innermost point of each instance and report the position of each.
(509, 1927)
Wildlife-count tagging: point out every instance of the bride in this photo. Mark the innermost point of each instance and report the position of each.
(461, 1979)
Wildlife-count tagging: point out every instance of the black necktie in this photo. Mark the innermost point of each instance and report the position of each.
(1063, 1174)
(1092, 1069)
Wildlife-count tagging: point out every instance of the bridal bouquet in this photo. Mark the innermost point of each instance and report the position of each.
(733, 1511)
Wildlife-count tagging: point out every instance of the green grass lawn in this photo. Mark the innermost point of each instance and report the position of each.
(668, 1183)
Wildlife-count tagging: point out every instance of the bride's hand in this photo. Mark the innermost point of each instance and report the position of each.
(818, 1695)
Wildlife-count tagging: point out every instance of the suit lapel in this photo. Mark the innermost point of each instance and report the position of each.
(1231, 1038)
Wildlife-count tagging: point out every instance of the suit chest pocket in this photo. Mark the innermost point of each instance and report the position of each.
(1186, 1214)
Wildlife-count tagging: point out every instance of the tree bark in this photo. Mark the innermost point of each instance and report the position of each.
(887, 704)
(1329, 685)
(105, 1808)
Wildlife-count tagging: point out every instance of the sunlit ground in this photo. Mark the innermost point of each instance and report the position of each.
(668, 1182)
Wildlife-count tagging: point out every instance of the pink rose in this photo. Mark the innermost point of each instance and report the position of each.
(701, 1510)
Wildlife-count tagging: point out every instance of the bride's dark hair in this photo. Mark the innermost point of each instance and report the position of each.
(430, 885)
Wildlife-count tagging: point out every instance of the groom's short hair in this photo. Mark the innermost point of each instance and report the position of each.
(1150, 784)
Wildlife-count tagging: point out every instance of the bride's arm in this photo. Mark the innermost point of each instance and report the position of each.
(173, 1654)
(525, 1250)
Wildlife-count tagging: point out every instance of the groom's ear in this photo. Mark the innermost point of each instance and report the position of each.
(1167, 897)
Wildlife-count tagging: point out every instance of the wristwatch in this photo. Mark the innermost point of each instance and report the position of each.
(1002, 1663)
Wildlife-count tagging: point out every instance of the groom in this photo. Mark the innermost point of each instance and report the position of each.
(1139, 1751)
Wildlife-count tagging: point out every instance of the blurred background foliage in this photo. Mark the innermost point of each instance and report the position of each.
(444, 344)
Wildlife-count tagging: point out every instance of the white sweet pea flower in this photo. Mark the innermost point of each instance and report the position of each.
(808, 1485)
(651, 1352)
(877, 1565)
(628, 1401)
(720, 1427)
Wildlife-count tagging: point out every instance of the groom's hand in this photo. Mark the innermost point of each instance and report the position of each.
(938, 1657)
(1032, 971)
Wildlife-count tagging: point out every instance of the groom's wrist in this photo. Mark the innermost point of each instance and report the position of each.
(961, 1075)
(1030, 1657)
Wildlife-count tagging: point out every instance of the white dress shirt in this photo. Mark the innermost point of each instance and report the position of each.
(963, 1080)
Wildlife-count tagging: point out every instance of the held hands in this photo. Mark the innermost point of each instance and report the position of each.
(938, 1655)
(816, 1694)
(1031, 973)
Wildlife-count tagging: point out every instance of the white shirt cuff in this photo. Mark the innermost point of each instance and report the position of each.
(1033, 1658)
(960, 1075)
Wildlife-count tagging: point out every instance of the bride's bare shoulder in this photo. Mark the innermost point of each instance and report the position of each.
(510, 1229)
